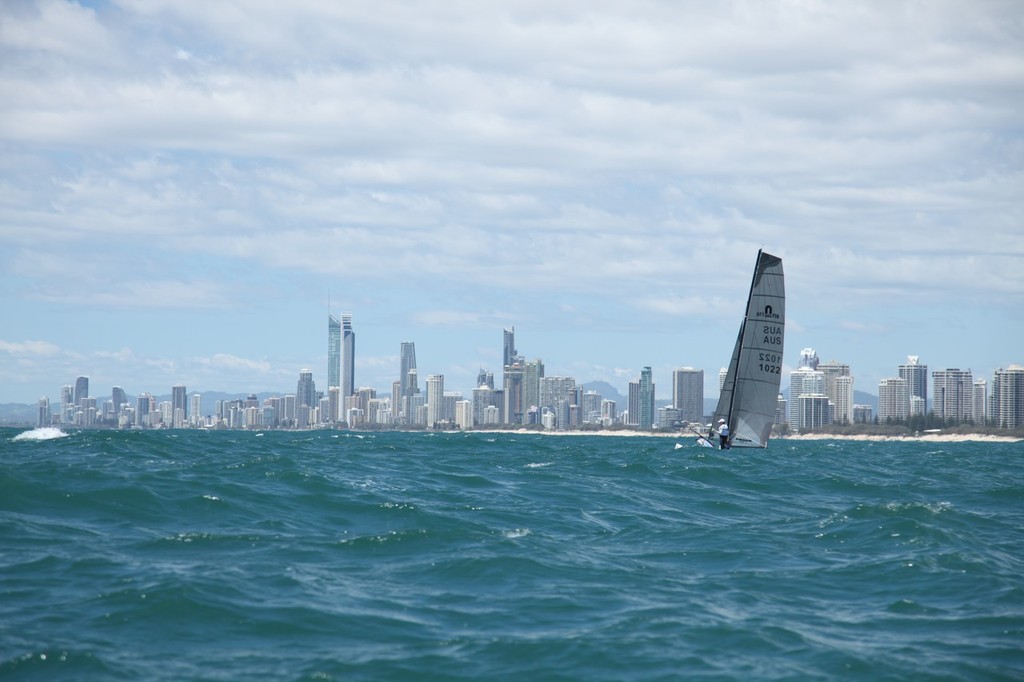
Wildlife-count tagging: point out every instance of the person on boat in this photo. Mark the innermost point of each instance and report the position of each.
(723, 434)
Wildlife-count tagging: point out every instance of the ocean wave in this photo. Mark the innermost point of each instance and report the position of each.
(41, 433)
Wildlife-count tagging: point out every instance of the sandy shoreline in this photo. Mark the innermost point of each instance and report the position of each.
(925, 437)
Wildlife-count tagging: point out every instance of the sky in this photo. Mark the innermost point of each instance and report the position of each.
(188, 188)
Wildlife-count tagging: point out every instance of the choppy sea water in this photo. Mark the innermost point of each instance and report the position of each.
(334, 556)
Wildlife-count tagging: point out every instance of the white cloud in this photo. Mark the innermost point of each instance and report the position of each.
(29, 348)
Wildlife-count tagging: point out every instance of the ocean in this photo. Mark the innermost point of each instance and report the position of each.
(326, 555)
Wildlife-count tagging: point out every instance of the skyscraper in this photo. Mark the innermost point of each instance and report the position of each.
(688, 394)
(952, 394)
(333, 352)
(305, 390)
(893, 400)
(435, 395)
(81, 390)
(646, 419)
(840, 393)
(508, 347)
(533, 372)
(119, 398)
(348, 359)
(916, 375)
(804, 380)
(179, 406)
(1008, 397)
(407, 381)
(514, 409)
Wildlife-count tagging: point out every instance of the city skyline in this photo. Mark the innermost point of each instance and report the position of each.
(828, 388)
(819, 394)
(180, 188)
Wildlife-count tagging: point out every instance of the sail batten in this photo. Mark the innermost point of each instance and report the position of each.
(751, 388)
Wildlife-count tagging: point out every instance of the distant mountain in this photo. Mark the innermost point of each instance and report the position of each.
(16, 414)
(608, 392)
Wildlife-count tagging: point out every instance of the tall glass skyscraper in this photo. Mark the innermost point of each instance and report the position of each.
(407, 382)
(646, 420)
(348, 358)
(333, 351)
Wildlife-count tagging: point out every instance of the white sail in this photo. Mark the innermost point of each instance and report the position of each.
(751, 390)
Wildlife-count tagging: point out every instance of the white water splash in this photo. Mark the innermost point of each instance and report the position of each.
(42, 433)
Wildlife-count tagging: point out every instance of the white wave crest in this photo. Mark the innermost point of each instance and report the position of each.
(42, 433)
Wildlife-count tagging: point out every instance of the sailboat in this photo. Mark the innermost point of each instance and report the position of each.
(751, 390)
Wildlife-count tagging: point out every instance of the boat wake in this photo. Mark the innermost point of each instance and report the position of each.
(41, 433)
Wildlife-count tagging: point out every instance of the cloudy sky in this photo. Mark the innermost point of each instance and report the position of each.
(187, 187)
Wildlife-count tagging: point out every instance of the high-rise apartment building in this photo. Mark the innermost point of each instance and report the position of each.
(348, 359)
(646, 404)
(533, 372)
(305, 390)
(952, 394)
(81, 390)
(688, 394)
(333, 352)
(179, 406)
(196, 408)
(841, 396)
(555, 389)
(804, 380)
(513, 408)
(893, 400)
(435, 391)
(979, 397)
(916, 375)
(43, 412)
(1008, 397)
(831, 371)
(119, 398)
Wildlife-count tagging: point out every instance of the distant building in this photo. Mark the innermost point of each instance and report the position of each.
(893, 400)
(1008, 397)
(43, 416)
(814, 411)
(81, 390)
(305, 390)
(979, 407)
(952, 394)
(514, 409)
(863, 414)
(179, 406)
(646, 403)
(348, 358)
(804, 380)
(916, 376)
(688, 394)
(435, 407)
(333, 353)
(839, 389)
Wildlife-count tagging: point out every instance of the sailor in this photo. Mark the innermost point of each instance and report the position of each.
(723, 434)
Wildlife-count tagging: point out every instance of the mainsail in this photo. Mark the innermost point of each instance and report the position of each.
(751, 390)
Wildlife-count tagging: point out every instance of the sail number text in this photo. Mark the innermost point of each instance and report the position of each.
(770, 363)
(772, 335)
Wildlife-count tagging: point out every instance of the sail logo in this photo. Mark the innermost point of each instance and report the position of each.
(769, 313)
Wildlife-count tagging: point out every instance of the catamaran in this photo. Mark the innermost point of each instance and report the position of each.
(750, 394)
